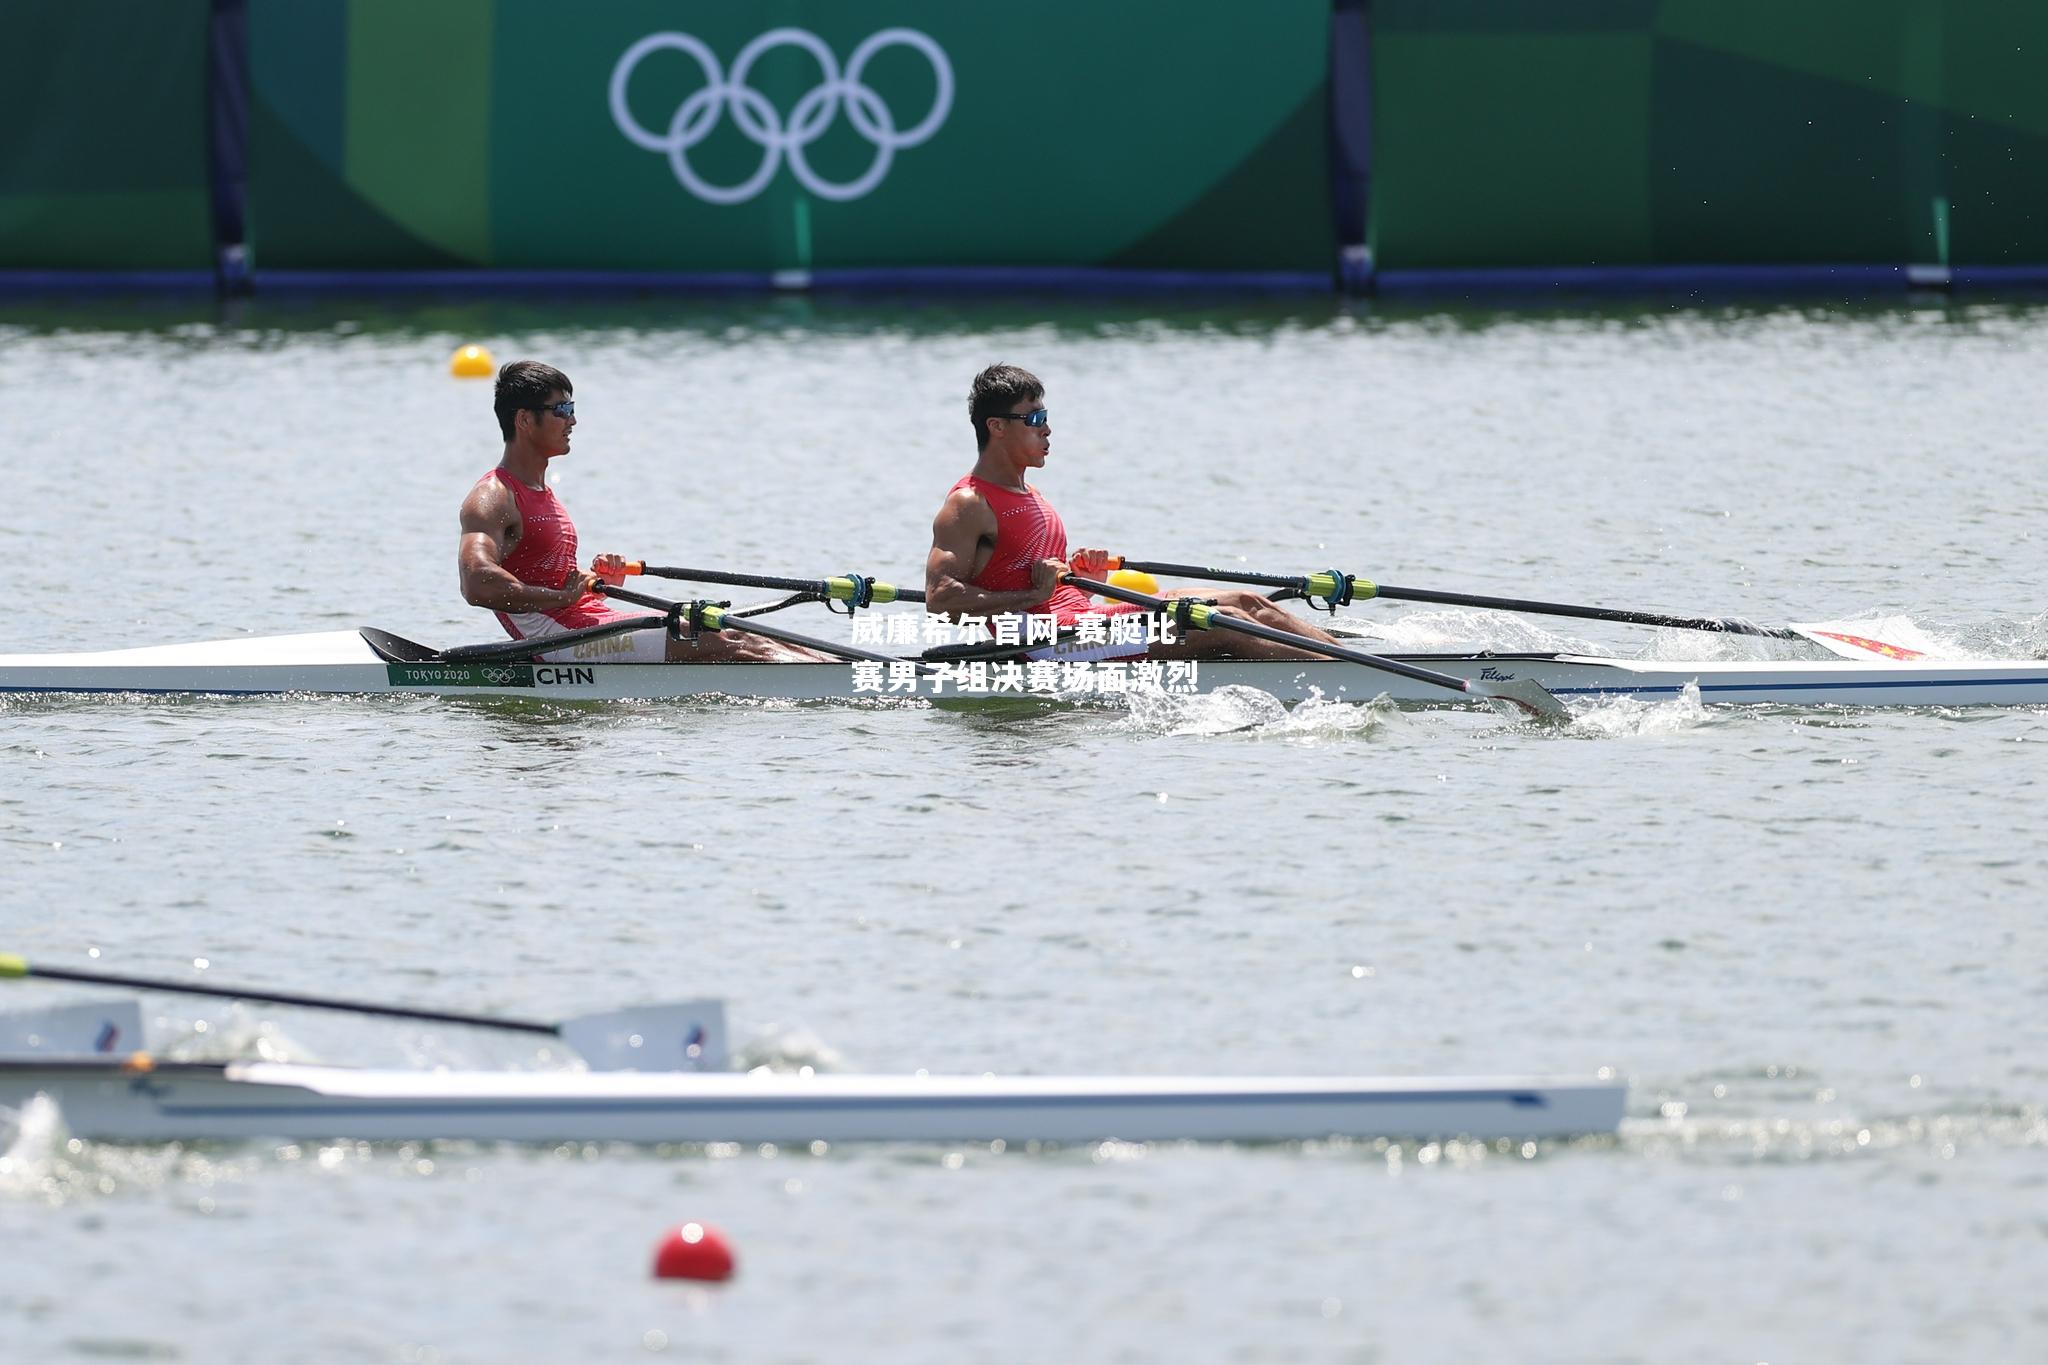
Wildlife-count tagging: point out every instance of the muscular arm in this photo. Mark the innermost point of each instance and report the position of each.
(489, 522)
(962, 534)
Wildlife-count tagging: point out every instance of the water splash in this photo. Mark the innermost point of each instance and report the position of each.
(1223, 711)
(1322, 717)
(31, 1163)
(41, 1161)
(2019, 639)
(1622, 717)
(1236, 709)
(1706, 646)
(791, 1050)
(229, 1034)
(1461, 629)
(1464, 630)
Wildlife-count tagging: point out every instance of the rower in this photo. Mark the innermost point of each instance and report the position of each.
(518, 549)
(999, 548)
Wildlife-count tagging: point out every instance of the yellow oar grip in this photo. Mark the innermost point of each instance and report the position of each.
(1199, 614)
(1324, 585)
(1362, 588)
(843, 590)
(712, 618)
(13, 964)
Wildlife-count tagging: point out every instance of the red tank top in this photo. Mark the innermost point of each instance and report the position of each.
(546, 553)
(1027, 530)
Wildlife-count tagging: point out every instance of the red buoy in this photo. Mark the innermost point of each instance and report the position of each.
(694, 1251)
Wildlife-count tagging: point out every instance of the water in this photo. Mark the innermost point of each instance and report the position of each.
(1807, 938)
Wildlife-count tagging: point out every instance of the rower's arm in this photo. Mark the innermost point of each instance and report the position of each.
(964, 525)
(488, 515)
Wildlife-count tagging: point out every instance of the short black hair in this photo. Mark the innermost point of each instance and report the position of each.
(996, 390)
(525, 384)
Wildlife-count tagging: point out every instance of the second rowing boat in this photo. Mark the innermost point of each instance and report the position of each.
(70, 1053)
(106, 1098)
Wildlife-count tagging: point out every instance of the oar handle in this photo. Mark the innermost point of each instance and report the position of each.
(738, 580)
(857, 588)
(1264, 580)
(14, 966)
(641, 599)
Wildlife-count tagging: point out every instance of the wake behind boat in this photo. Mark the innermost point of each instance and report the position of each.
(370, 661)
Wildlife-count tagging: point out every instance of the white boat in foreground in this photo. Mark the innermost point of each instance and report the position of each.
(370, 662)
(112, 1099)
(71, 1053)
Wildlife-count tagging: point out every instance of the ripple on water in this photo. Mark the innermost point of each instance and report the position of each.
(1508, 901)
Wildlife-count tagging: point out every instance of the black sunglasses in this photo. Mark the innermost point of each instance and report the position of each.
(1037, 417)
(564, 409)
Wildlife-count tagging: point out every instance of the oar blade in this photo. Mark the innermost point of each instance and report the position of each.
(686, 1036)
(1528, 698)
(1900, 638)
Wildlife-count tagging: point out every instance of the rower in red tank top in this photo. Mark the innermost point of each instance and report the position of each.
(518, 552)
(546, 553)
(998, 546)
(1027, 530)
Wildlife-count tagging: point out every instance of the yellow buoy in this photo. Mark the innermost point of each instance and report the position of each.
(472, 362)
(1134, 580)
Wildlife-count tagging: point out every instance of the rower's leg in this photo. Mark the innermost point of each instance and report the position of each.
(1224, 644)
(1256, 607)
(739, 647)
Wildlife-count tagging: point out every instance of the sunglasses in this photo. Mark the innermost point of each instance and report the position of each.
(564, 409)
(1038, 417)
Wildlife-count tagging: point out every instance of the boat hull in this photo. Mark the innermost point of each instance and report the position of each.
(241, 1101)
(343, 662)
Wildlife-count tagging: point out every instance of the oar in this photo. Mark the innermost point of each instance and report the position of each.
(649, 1037)
(1522, 692)
(856, 589)
(1339, 589)
(523, 650)
(711, 616)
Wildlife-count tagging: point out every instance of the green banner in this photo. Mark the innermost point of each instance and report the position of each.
(104, 162)
(1636, 132)
(698, 135)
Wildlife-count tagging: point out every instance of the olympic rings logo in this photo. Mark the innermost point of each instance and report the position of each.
(760, 121)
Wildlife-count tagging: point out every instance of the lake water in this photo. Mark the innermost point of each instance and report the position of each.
(1808, 938)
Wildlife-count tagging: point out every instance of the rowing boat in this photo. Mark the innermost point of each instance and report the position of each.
(646, 1085)
(373, 661)
(112, 1099)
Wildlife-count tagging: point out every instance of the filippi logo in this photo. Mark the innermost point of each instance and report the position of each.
(760, 121)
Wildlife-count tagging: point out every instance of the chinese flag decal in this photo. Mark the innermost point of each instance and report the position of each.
(1889, 651)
